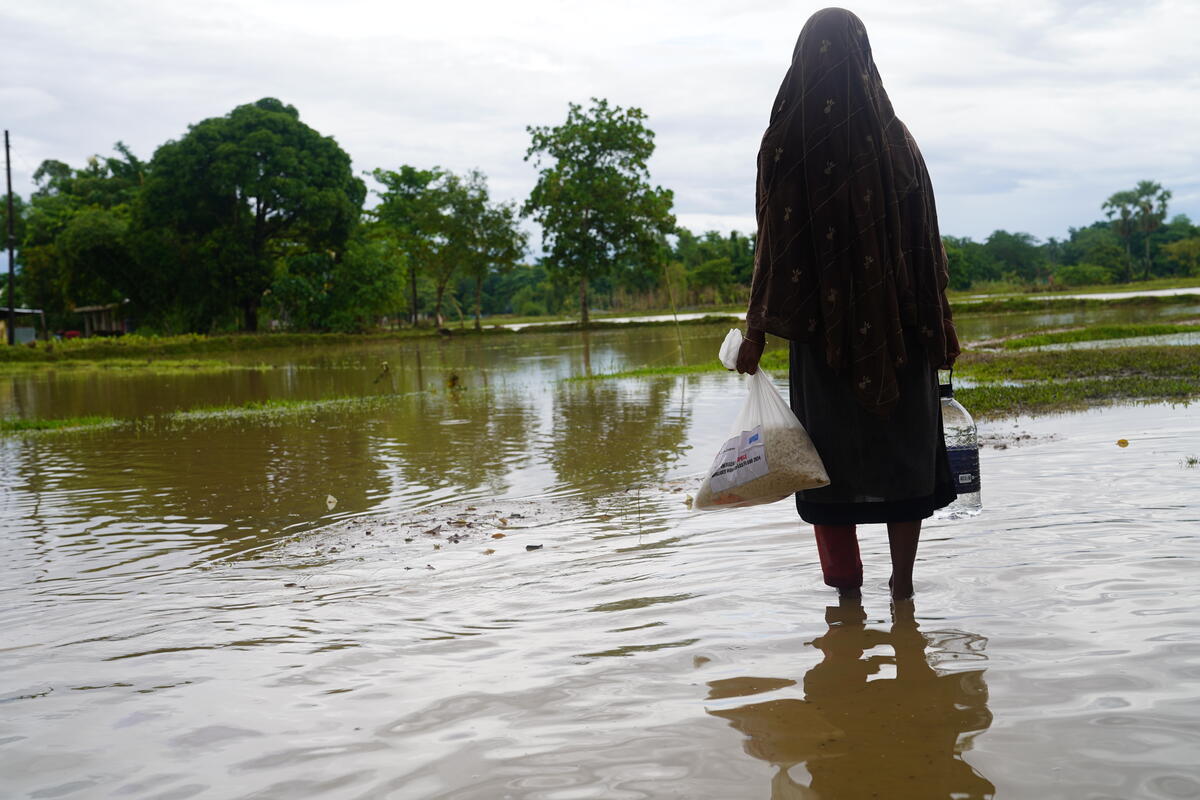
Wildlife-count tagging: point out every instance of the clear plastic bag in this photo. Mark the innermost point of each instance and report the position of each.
(768, 456)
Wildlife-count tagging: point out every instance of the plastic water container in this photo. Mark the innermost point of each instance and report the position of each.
(962, 446)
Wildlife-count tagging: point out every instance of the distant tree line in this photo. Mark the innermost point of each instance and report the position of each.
(255, 216)
(1134, 241)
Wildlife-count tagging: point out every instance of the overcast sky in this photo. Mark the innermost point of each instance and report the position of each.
(1029, 113)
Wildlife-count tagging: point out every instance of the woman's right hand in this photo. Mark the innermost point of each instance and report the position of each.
(749, 354)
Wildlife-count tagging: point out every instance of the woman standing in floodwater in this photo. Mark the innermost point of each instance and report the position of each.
(849, 267)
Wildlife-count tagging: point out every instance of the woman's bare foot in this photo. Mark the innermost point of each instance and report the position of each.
(850, 592)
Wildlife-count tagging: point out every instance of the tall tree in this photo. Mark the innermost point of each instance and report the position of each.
(593, 196)
(1151, 203)
(238, 193)
(412, 206)
(493, 242)
(1120, 209)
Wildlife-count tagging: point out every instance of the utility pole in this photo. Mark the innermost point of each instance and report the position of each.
(11, 328)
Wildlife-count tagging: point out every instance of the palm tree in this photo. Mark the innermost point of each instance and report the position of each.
(1151, 202)
(1122, 205)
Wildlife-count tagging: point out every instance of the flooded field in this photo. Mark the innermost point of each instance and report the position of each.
(490, 585)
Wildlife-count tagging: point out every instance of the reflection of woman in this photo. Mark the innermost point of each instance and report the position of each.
(860, 734)
(849, 267)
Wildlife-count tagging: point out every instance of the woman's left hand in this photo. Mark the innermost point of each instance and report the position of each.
(748, 356)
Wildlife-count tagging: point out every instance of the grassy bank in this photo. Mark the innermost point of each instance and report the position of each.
(132, 348)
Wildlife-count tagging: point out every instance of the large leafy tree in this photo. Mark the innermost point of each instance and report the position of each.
(593, 197)
(239, 193)
(1017, 254)
(74, 250)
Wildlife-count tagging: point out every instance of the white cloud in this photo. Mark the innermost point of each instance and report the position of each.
(1029, 114)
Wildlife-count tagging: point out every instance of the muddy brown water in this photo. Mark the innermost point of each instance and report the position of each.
(184, 616)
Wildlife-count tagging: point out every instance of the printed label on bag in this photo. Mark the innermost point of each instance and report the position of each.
(964, 468)
(742, 459)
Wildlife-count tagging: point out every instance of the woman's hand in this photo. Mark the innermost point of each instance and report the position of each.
(953, 348)
(750, 352)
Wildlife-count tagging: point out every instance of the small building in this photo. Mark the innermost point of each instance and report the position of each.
(104, 320)
(27, 321)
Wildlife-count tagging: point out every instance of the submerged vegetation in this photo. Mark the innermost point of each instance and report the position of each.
(125, 366)
(280, 409)
(1006, 383)
(1098, 333)
(34, 425)
(995, 400)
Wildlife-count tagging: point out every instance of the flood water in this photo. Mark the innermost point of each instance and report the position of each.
(185, 615)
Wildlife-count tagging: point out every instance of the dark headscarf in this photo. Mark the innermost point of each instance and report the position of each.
(848, 254)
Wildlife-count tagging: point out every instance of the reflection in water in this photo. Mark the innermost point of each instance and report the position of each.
(616, 435)
(883, 725)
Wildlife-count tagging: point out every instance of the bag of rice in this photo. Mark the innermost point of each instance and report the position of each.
(768, 457)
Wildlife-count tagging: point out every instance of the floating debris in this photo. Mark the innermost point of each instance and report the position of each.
(330, 502)
(1122, 443)
(533, 547)
(497, 535)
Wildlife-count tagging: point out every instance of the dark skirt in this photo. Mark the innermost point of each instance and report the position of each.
(880, 470)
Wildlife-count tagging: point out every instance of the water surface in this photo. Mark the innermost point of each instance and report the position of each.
(185, 615)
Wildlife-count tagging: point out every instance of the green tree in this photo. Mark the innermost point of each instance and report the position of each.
(415, 206)
(1186, 254)
(969, 262)
(593, 196)
(1016, 254)
(715, 274)
(491, 238)
(74, 250)
(345, 292)
(239, 193)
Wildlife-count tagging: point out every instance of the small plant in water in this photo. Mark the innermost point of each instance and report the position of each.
(1190, 462)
